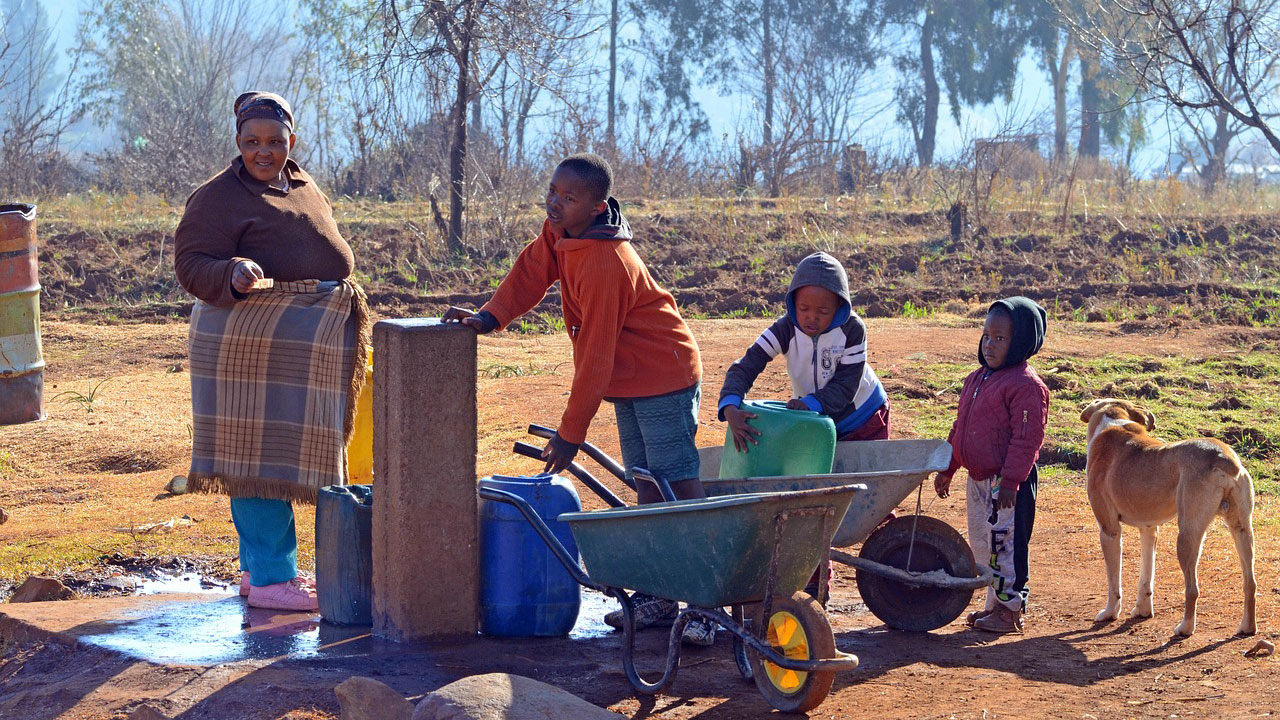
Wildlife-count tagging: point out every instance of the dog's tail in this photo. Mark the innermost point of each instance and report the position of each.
(1238, 499)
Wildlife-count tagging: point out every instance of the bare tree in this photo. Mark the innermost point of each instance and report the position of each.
(35, 106)
(1207, 144)
(530, 80)
(451, 39)
(610, 132)
(661, 147)
(1198, 55)
(1212, 132)
(380, 124)
(163, 75)
(820, 101)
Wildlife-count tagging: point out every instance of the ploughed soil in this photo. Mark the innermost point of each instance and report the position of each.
(75, 477)
(730, 258)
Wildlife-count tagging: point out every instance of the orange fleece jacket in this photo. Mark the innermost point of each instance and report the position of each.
(628, 337)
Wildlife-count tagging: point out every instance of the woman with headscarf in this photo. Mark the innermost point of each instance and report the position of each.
(278, 339)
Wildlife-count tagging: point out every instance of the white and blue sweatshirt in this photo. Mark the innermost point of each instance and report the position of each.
(830, 372)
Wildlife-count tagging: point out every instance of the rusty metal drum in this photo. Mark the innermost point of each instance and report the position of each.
(21, 357)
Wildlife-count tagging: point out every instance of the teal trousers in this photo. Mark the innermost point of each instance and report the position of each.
(268, 539)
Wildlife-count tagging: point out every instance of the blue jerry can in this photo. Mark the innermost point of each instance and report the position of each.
(524, 590)
(344, 554)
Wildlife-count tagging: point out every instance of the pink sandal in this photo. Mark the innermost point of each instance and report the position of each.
(308, 582)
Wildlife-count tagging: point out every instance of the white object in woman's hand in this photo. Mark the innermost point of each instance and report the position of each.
(244, 275)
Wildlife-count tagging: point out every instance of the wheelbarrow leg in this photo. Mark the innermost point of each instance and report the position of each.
(740, 655)
(628, 648)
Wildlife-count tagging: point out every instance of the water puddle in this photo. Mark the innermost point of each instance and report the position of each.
(591, 616)
(206, 632)
(211, 629)
(191, 582)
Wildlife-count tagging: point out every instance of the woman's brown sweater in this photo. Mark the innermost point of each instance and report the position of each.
(233, 217)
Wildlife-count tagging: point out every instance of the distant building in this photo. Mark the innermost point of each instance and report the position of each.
(1264, 173)
(1015, 156)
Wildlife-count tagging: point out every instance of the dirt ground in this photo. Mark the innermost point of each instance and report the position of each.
(69, 480)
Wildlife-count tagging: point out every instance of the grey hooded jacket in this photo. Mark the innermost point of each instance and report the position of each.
(830, 372)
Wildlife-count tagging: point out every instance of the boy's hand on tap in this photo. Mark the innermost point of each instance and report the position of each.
(482, 322)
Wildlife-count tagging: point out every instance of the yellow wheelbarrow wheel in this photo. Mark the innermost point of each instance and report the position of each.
(798, 629)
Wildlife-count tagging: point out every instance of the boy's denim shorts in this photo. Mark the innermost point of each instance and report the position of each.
(657, 433)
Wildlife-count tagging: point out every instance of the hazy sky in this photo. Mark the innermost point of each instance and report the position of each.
(1033, 101)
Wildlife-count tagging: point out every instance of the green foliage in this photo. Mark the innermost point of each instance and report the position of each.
(914, 312)
(84, 399)
(8, 465)
(540, 323)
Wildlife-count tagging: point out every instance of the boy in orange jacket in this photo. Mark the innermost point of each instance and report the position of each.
(630, 345)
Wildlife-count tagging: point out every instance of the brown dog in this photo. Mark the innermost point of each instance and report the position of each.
(1138, 480)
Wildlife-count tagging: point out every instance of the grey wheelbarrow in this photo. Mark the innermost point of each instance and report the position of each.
(914, 572)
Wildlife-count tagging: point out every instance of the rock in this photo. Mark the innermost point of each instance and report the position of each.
(1263, 648)
(363, 698)
(178, 485)
(41, 589)
(146, 712)
(501, 696)
(122, 583)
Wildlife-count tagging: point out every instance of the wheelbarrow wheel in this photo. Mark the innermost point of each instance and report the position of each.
(797, 628)
(938, 546)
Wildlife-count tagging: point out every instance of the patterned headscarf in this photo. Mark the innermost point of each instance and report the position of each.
(260, 104)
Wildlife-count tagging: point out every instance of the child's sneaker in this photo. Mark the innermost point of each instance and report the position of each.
(244, 583)
(649, 612)
(1001, 620)
(291, 595)
(700, 631)
(975, 616)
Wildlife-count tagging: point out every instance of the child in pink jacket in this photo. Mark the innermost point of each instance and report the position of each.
(996, 437)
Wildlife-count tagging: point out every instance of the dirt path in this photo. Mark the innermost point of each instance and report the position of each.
(71, 478)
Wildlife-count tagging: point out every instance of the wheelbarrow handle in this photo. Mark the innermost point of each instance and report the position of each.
(591, 451)
(541, 431)
(557, 548)
(664, 487)
(577, 471)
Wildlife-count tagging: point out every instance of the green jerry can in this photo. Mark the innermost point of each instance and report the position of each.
(792, 442)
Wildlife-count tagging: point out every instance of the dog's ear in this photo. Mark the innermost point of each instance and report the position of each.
(1151, 419)
(1089, 410)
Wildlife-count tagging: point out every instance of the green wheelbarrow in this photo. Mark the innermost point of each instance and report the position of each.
(915, 572)
(751, 552)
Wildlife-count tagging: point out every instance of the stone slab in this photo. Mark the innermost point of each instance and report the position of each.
(425, 522)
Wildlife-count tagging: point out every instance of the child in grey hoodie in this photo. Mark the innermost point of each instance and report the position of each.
(825, 346)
